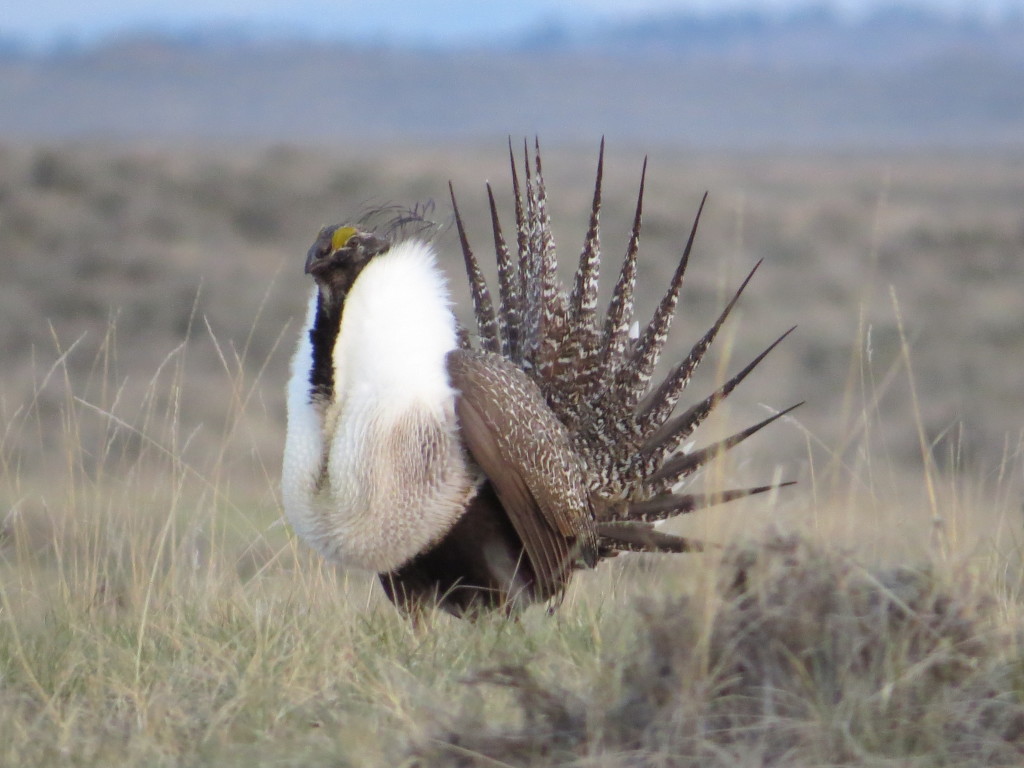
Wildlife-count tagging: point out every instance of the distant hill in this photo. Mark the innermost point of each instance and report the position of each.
(818, 35)
(894, 79)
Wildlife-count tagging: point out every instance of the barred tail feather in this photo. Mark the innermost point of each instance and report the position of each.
(620, 308)
(523, 248)
(635, 377)
(659, 406)
(509, 318)
(483, 307)
(675, 431)
(582, 336)
(595, 375)
(631, 536)
(681, 466)
(583, 302)
(669, 505)
(551, 319)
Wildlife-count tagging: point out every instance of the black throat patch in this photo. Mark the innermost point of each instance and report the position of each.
(322, 336)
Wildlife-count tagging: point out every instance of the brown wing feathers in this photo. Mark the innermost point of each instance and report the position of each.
(591, 378)
(525, 453)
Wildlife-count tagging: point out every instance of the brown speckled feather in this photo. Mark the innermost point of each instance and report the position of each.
(660, 404)
(509, 317)
(633, 379)
(483, 307)
(620, 308)
(594, 379)
(525, 452)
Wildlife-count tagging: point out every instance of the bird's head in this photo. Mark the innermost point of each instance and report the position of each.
(338, 255)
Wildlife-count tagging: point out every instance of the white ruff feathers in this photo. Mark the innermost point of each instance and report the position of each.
(396, 479)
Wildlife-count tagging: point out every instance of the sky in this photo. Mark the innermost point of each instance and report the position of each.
(44, 22)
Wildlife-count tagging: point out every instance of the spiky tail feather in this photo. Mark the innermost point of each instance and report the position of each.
(594, 376)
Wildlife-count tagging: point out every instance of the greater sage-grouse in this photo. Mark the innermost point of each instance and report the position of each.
(475, 478)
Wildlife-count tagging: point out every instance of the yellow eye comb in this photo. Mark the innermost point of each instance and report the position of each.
(341, 236)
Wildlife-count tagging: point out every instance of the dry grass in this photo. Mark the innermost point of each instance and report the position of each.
(148, 619)
(796, 656)
(155, 611)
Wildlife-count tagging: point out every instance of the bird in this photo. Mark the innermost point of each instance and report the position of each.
(478, 471)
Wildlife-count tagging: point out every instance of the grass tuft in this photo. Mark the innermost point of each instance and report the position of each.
(798, 655)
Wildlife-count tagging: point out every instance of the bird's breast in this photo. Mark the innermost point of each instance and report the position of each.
(390, 475)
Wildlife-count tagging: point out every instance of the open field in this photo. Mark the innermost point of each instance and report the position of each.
(155, 611)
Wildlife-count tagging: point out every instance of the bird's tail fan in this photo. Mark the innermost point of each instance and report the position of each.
(595, 371)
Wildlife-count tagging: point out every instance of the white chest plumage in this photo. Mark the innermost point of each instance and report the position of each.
(377, 473)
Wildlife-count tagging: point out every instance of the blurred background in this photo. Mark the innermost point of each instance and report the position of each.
(164, 166)
(683, 73)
